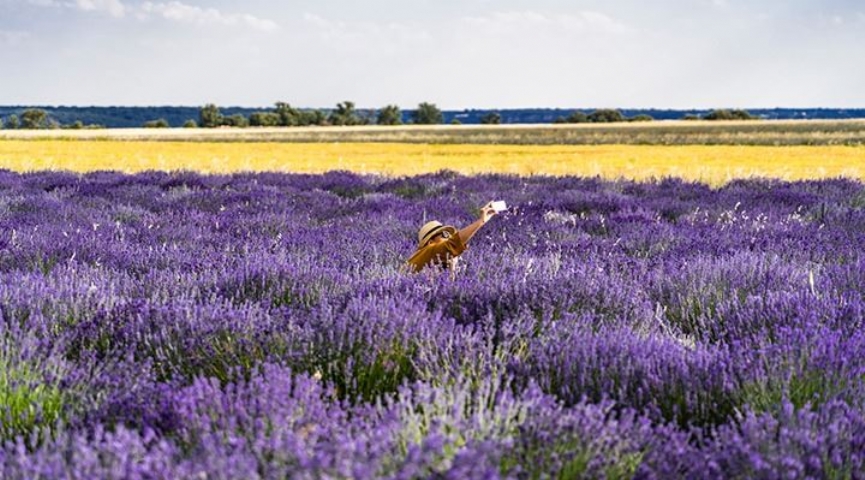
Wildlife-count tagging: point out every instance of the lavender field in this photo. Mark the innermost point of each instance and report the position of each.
(175, 325)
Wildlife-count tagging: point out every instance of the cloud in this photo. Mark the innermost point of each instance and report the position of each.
(173, 11)
(358, 35)
(519, 22)
(112, 7)
(181, 12)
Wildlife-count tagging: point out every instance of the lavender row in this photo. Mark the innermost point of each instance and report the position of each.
(175, 325)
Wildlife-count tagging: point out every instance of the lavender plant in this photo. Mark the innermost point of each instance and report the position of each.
(259, 325)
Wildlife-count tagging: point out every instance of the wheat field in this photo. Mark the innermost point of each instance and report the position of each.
(712, 164)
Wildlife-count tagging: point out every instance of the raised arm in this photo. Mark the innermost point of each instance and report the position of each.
(468, 232)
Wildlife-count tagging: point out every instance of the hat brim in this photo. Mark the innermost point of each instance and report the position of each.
(432, 233)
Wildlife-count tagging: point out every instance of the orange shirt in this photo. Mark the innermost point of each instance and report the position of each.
(436, 254)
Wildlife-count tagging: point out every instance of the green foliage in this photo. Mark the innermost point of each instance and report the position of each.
(34, 118)
(158, 123)
(492, 118)
(210, 116)
(12, 123)
(264, 119)
(606, 115)
(389, 115)
(641, 118)
(427, 114)
(190, 124)
(237, 120)
(345, 114)
(724, 114)
(29, 401)
(575, 117)
(456, 121)
(288, 115)
(313, 117)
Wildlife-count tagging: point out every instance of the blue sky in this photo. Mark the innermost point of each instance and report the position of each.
(457, 54)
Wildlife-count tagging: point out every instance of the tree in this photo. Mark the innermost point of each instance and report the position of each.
(641, 118)
(288, 115)
(427, 114)
(313, 117)
(345, 114)
(158, 123)
(389, 115)
(606, 115)
(210, 116)
(263, 119)
(190, 124)
(237, 120)
(577, 117)
(76, 125)
(690, 117)
(724, 114)
(12, 122)
(742, 115)
(491, 118)
(34, 118)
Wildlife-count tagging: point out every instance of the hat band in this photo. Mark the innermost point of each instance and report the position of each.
(431, 234)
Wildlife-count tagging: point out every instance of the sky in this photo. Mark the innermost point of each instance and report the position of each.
(457, 54)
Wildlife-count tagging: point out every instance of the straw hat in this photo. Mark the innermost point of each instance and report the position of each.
(431, 229)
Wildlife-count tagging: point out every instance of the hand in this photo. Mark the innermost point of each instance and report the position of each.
(487, 212)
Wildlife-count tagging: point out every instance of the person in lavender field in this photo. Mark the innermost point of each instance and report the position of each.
(439, 245)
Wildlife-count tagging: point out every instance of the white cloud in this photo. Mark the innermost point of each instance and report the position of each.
(45, 3)
(519, 22)
(181, 12)
(388, 38)
(173, 11)
(112, 7)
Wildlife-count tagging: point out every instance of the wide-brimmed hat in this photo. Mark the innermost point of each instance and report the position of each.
(431, 229)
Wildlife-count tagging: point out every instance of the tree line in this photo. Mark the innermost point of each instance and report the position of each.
(344, 114)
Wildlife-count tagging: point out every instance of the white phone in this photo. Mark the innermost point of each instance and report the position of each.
(499, 206)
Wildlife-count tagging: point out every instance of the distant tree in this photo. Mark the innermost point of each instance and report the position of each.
(288, 115)
(606, 115)
(724, 114)
(210, 116)
(158, 123)
(1, 124)
(576, 117)
(690, 116)
(389, 115)
(641, 118)
(313, 117)
(190, 124)
(12, 122)
(721, 114)
(742, 115)
(34, 118)
(76, 125)
(344, 114)
(238, 120)
(491, 118)
(427, 114)
(456, 121)
(263, 119)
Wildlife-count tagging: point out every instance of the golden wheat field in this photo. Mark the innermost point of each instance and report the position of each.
(713, 164)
